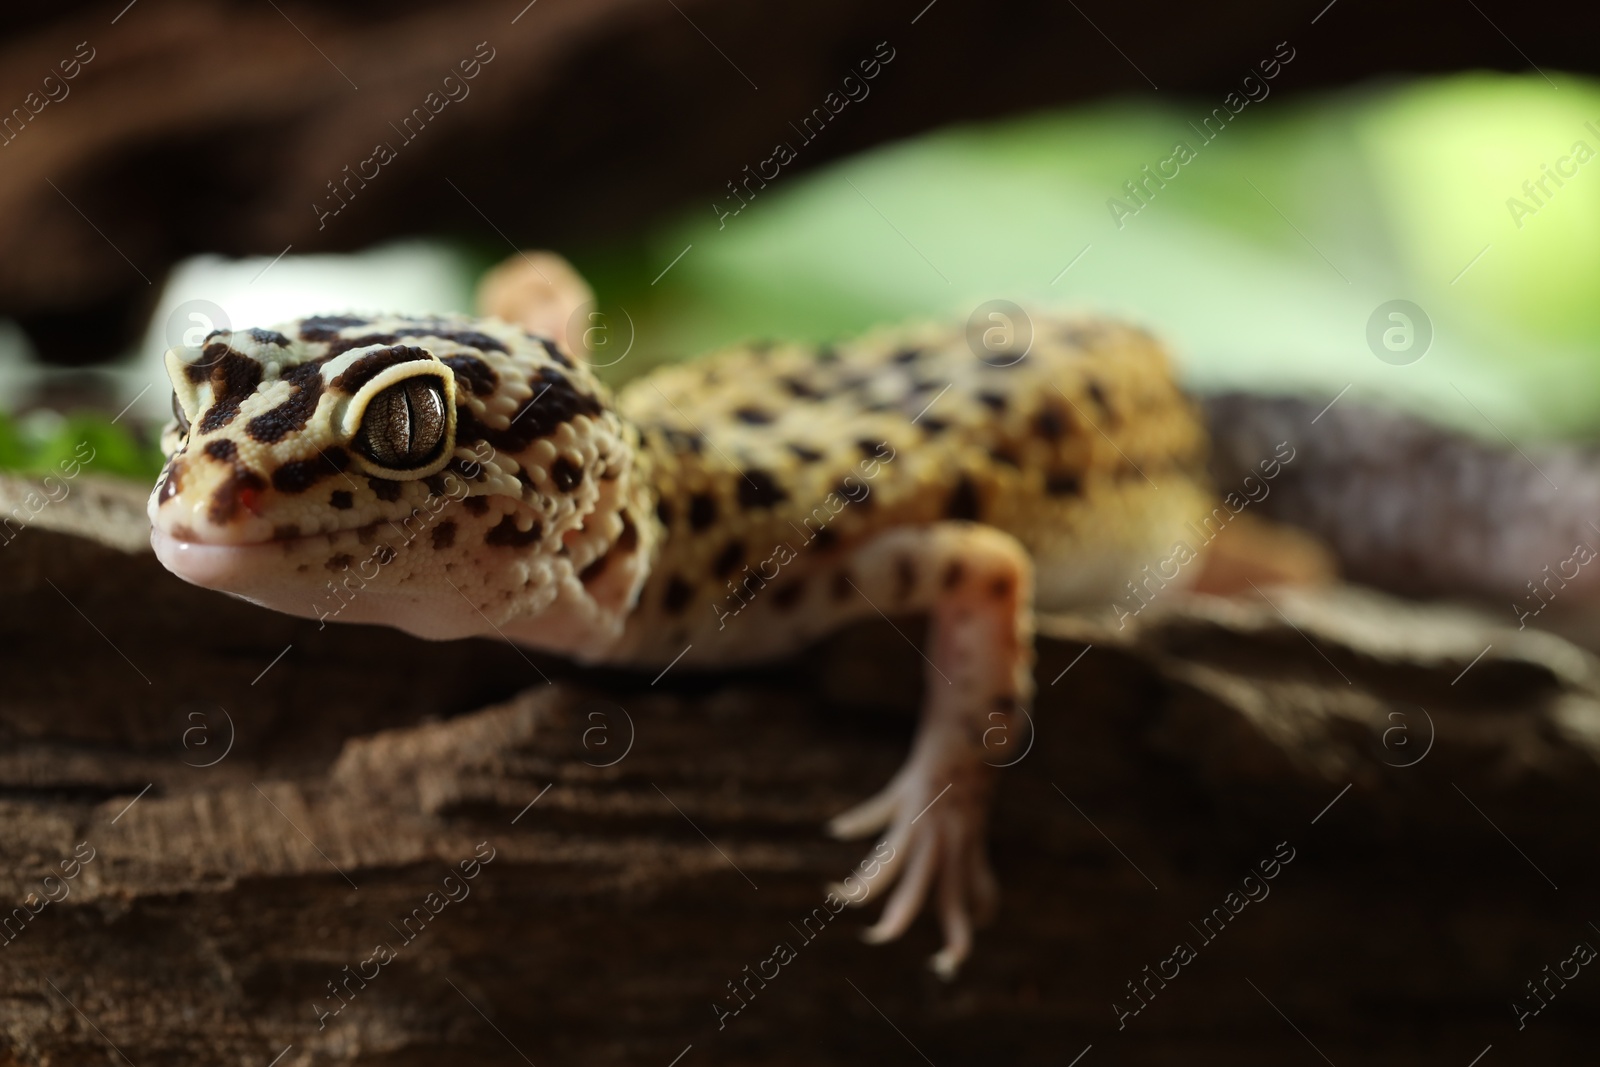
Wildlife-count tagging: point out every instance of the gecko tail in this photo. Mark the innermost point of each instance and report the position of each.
(1413, 508)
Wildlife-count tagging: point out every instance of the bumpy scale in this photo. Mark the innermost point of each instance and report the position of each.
(455, 477)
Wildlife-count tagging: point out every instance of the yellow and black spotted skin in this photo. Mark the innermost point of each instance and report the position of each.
(456, 477)
(771, 464)
(715, 503)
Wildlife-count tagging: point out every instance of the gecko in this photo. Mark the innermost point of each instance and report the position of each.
(456, 476)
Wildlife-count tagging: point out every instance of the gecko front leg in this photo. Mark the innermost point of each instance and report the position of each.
(976, 584)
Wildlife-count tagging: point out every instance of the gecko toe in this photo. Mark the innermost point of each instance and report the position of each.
(908, 895)
(869, 816)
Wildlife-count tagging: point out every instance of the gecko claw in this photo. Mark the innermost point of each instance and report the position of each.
(935, 810)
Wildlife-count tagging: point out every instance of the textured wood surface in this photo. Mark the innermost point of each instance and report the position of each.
(1171, 760)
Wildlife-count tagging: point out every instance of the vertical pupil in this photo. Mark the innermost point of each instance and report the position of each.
(405, 423)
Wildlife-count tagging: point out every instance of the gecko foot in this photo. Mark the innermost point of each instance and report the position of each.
(935, 810)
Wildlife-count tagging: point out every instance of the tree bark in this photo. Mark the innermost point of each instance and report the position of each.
(265, 803)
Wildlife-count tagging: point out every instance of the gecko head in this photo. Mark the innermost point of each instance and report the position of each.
(429, 474)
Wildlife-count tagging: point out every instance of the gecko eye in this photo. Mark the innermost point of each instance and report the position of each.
(177, 413)
(403, 427)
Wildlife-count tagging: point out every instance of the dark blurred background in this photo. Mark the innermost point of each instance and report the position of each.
(213, 127)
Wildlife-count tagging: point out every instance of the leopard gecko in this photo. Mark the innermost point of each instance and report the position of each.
(481, 480)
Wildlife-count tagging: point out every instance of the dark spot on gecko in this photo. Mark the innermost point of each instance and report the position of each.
(566, 474)
(239, 489)
(1000, 588)
(787, 596)
(1062, 483)
(995, 402)
(478, 377)
(340, 346)
(871, 449)
(437, 485)
(369, 366)
(759, 489)
(339, 562)
(964, 502)
(678, 594)
(285, 533)
(933, 427)
(804, 454)
(799, 389)
(702, 511)
(1098, 394)
(843, 488)
(471, 338)
(841, 587)
(1006, 456)
(506, 535)
(268, 337)
(825, 538)
(292, 415)
(753, 416)
(476, 505)
(233, 378)
(222, 450)
(1080, 336)
(341, 499)
(555, 402)
(682, 440)
(444, 535)
(1050, 423)
(529, 490)
(298, 475)
(327, 327)
(554, 352)
(907, 355)
(385, 488)
(953, 574)
(664, 512)
(728, 559)
(905, 577)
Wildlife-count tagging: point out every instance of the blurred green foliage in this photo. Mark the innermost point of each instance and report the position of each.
(44, 446)
(1260, 262)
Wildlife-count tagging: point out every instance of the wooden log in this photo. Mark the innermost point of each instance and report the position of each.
(213, 816)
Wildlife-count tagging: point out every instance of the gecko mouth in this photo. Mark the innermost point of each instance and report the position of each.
(232, 566)
(257, 573)
(211, 564)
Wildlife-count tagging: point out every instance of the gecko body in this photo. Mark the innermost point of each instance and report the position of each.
(457, 477)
